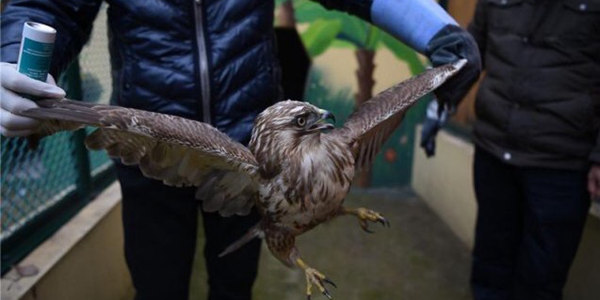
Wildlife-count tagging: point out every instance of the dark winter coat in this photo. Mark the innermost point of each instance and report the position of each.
(539, 103)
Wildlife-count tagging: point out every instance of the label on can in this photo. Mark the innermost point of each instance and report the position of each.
(35, 59)
(35, 54)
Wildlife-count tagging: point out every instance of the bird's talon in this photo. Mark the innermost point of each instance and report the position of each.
(327, 280)
(366, 215)
(365, 226)
(326, 293)
(384, 222)
(315, 277)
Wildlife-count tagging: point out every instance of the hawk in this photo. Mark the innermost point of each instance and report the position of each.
(296, 170)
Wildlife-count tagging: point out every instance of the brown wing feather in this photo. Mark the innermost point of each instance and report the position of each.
(178, 151)
(369, 127)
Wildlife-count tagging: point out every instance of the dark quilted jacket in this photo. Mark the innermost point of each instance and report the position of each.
(539, 103)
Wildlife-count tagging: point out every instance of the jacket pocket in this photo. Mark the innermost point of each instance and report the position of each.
(579, 23)
(505, 15)
(574, 117)
(583, 6)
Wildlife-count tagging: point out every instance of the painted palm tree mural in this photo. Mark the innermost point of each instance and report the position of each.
(336, 29)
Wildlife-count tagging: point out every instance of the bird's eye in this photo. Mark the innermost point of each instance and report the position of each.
(301, 121)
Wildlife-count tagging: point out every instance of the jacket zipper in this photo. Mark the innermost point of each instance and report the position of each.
(203, 63)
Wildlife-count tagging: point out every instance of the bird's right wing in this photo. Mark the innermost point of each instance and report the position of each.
(369, 127)
(177, 151)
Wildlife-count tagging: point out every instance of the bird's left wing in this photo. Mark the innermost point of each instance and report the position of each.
(369, 127)
(177, 151)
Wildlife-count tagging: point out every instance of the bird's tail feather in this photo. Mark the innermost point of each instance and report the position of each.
(252, 233)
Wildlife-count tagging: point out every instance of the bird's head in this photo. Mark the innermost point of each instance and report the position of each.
(292, 118)
(286, 124)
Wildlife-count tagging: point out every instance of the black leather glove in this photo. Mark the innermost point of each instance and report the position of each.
(448, 45)
(435, 118)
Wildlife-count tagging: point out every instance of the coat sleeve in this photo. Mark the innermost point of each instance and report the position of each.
(72, 20)
(478, 29)
(427, 28)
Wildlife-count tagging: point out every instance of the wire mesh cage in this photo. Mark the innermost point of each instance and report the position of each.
(34, 179)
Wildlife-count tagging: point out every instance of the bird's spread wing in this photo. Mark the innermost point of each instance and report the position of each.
(369, 127)
(178, 151)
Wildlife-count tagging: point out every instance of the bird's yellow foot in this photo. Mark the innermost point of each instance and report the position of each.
(318, 279)
(366, 215)
(314, 277)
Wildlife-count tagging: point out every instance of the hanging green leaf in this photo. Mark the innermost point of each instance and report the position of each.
(373, 37)
(320, 35)
(354, 30)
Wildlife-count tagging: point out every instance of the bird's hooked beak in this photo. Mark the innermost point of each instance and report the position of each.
(321, 123)
(326, 115)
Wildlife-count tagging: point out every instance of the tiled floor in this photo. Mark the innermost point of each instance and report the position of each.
(417, 258)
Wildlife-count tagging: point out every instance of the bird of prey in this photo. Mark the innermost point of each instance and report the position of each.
(296, 170)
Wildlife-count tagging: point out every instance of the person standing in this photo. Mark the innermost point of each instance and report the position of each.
(537, 157)
(206, 60)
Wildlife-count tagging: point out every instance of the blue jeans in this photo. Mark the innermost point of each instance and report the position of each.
(529, 224)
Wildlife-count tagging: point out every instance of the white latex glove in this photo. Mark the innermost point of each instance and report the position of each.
(13, 82)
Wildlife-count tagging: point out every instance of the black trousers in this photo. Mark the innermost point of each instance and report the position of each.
(160, 239)
(529, 224)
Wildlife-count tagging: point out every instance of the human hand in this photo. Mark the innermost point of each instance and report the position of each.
(435, 118)
(448, 46)
(13, 83)
(594, 180)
